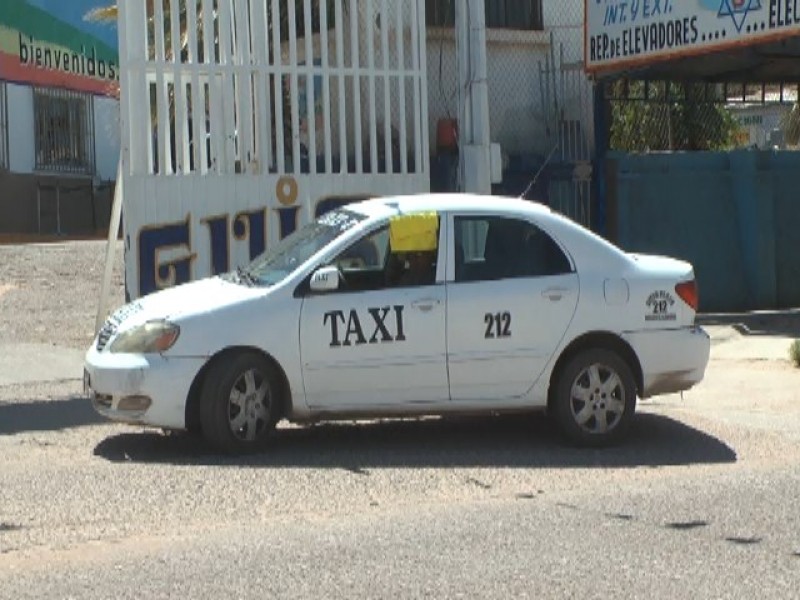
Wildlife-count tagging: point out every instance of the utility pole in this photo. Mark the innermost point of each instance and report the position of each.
(473, 98)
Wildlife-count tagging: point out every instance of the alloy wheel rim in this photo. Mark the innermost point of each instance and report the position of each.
(248, 405)
(597, 399)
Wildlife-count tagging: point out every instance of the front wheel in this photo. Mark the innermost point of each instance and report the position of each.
(240, 402)
(595, 398)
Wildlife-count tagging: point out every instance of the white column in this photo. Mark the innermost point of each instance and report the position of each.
(474, 135)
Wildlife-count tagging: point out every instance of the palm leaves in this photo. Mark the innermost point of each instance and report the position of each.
(110, 13)
(104, 14)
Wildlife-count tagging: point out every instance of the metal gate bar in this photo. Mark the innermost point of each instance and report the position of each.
(262, 86)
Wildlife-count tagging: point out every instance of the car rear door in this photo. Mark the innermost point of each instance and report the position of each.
(511, 294)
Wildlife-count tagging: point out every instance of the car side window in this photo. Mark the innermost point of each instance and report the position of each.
(492, 248)
(381, 260)
(368, 253)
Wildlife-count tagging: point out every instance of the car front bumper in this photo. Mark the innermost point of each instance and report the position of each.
(140, 389)
(671, 360)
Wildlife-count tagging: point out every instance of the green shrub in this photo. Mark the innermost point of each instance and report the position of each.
(794, 353)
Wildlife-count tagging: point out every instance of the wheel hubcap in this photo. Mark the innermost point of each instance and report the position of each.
(248, 405)
(597, 399)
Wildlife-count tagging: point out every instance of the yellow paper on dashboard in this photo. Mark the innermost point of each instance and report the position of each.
(414, 233)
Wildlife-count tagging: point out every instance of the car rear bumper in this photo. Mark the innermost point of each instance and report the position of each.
(671, 360)
(140, 389)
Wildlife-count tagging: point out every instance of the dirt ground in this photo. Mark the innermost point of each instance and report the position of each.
(699, 502)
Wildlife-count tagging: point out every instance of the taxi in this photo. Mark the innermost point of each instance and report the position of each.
(408, 306)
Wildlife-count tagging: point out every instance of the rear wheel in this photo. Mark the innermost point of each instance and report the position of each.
(240, 402)
(595, 398)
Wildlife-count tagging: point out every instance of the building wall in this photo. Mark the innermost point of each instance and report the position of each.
(518, 118)
(565, 18)
(516, 115)
(48, 205)
(22, 157)
(49, 44)
(106, 137)
(34, 202)
(21, 152)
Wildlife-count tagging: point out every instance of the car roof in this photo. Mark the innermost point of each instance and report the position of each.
(448, 202)
(581, 241)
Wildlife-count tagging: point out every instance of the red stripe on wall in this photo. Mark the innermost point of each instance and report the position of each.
(12, 70)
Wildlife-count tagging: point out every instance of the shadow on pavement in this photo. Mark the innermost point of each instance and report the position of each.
(784, 323)
(50, 415)
(508, 441)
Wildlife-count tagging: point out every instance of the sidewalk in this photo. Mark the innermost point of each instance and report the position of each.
(760, 335)
(22, 364)
(36, 238)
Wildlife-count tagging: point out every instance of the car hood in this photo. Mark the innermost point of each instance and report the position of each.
(184, 301)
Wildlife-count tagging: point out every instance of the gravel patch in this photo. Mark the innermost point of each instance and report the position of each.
(50, 293)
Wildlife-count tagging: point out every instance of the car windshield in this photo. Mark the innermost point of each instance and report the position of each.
(283, 258)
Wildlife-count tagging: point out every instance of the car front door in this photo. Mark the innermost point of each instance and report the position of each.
(378, 340)
(511, 295)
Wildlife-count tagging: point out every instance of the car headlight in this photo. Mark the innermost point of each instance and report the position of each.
(151, 337)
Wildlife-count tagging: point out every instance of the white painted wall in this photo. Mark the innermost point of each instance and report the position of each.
(106, 137)
(518, 119)
(21, 149)
(565, 19)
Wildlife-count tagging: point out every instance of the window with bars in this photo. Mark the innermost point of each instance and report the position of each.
(500, 14)
(64, 131)
(3, 126)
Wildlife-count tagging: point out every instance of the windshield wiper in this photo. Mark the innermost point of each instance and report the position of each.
(246, 276)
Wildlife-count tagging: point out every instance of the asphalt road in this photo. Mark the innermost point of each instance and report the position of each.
(699, 503)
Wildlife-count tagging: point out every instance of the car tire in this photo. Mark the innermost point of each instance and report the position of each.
(240, 403)
(595, 398)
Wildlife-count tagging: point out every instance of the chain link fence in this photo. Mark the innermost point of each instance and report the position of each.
(651, 116)
(517, 53)
(442, 73)
(540, 102)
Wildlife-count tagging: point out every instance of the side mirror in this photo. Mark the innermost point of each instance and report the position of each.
(325, 279)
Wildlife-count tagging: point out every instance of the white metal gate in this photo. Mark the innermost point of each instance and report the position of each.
(243, 118)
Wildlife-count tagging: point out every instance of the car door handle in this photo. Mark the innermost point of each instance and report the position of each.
(555, 294)
(426, 304)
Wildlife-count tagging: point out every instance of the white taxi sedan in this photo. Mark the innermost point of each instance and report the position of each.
(408, 306)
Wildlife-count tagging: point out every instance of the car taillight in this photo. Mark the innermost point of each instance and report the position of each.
(687, 291)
